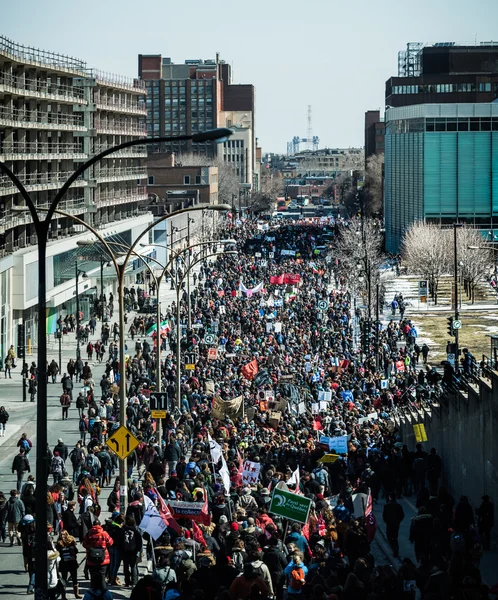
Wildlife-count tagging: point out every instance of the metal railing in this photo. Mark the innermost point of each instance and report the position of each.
(36, 148)
(42, 88)
(55, 179)
(121, 197)
(140, 151)
(22, 115)
(119, 106)
(127, 172)
(119, 127)
(33, 55)
(119, 81)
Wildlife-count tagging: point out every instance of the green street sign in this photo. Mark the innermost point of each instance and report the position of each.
(290, 506)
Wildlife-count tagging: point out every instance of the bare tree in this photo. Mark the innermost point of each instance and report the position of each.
(373, 182)
(474, 259)
(426, 252)
(228, 182)
(359, 252)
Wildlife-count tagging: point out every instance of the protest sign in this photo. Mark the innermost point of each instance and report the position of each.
(339, 444)
(250, 472)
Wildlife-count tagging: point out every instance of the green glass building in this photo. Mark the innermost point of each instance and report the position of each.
(441, 166)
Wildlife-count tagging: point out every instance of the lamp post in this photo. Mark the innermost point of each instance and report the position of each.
(83, 274)
(42, 228)
(455, 290)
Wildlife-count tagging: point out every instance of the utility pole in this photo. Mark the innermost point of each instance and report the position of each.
(78, 355)
(455, 292)
(102, 303)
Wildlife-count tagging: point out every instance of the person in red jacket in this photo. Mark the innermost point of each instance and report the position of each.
(96, 543)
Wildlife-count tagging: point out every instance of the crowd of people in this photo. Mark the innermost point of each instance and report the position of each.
(281, 383)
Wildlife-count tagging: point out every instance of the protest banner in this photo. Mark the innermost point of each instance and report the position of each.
(339, 444)
(250, 472)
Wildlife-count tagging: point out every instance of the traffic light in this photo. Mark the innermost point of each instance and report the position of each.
(450, 326)
(20, 340)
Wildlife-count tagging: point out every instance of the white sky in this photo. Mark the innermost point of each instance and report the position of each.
(333, 55)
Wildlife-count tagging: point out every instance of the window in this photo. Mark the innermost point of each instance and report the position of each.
(151, 179)
(186, 180)
(197, 180)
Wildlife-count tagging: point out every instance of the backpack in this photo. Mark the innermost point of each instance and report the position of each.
(457, 543)
(91, 464)
(25, 446)
(91, 423)
(296, 579)
(55, 465)
(130, 544)
(238, 560)
(319, 475)
(96, 555)
(83, 426)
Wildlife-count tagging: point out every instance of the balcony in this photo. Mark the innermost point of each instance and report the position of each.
(37, 182)
(133, 152)
(73, 206)
(42, 89)
(114, 127)
(41, 58)
(19, 118)
(120, 174)
(138, 194)
(128, 108)
(41, 151)
(111, 80)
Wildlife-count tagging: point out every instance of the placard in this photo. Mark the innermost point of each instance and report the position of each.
(250, 472)
(339, 444)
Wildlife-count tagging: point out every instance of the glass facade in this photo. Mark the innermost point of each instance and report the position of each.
(440, 169)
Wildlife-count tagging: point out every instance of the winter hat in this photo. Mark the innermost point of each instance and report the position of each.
(234, 526)
(223, 520)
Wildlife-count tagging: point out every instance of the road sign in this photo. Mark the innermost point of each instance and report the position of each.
(190, 367)
(212, 354)
(158, 414)
(457, 324)
(123, 442)
(158, 401)
(422, 288)
(450, 357)
(290, 506)
(323, 304)
(420, 433)
(209, 338)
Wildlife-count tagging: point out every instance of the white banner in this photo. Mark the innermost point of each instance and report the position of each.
(250, 473)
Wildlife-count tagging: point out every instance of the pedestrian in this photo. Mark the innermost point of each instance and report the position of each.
(4, 417)
(53, 370)
(32, 388)
(485, 521)
(83, 428)
(132, 549)
(14, 513)
(68, 550)
(67, 385)
(70, 521)
(394, 306)
(65, 401)
(393, 514)
(57, 467)
(21, 466)
(8, 364)
(296, 572)
(97, 589)
(97, 543)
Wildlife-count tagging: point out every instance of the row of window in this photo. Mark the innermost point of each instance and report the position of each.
(443, 124)
(234, 158)
(175, 89)
(233, 144)
(441, 88)
(187, 180)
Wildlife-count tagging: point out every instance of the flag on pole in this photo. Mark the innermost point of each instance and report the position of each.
(215, 448)
(198, 537)
(225, 475)
(166, 515)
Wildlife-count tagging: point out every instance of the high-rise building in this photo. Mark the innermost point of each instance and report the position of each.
(374, 134)
(441, 144)
(55, 113)
(183, 99)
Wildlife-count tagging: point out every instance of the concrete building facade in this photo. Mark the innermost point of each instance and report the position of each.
(55, 113)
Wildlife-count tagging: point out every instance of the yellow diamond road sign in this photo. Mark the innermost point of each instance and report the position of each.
(123, 442)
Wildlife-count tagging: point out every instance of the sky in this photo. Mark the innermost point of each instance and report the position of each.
(334, 56)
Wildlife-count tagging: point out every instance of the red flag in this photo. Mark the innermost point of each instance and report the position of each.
(317, 426)
(206, 517)
(306, 531)
(250, 369)
(292, 278)
(165, 513)
(322, 527)
(198, 537)
(277, 279)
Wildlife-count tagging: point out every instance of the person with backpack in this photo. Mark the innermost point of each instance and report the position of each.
(14, 513)
(298, 539)
(77, 458)
(97, 591)
(20, 464)
(83, 427)
(68, 551)
(4, 417)
(243, 585)
(163, 573)
(65, 402)
(97, 543)
(92, 464)
(132, 549)
(321, 475)
(57, 467)
(25, 444)
(276, 562)
(296, 572)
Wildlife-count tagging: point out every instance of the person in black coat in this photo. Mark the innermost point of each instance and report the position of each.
(485, 521)
(70, 520)
(132, 548)
(276, 562)
(392, 515)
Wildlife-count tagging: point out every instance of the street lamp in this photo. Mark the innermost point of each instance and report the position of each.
(78, 272)
(42, 227)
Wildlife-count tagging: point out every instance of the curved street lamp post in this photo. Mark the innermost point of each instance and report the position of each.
(42, 229)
